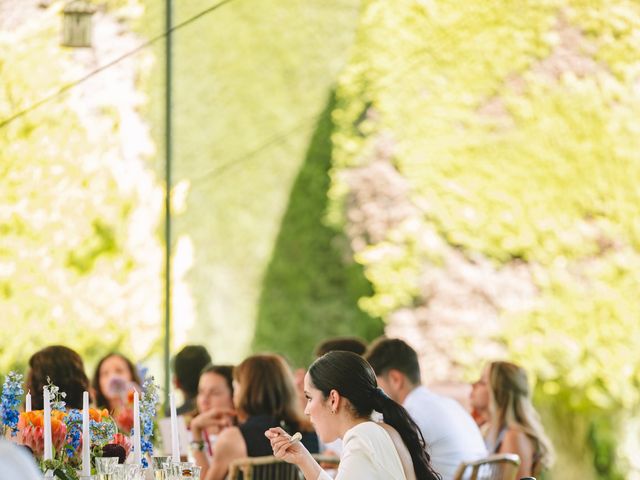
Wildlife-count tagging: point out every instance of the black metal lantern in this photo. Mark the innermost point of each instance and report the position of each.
(76, 24)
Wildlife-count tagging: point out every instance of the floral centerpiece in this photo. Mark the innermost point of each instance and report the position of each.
(66, 428)
(66, 435)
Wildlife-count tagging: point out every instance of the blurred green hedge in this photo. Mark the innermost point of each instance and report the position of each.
(516, 125)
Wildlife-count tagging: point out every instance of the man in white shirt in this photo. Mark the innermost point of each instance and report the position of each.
(450, 433)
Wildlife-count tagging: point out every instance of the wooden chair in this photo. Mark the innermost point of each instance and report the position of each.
(271, 468)
(503, 466)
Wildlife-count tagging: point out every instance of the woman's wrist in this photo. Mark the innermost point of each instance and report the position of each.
(310, 468)
(196, 434)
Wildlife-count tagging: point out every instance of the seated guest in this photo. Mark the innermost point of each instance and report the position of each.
(264, 397)
(17, 463)
(65, 369)
(114, 381)
(502, 394)
(187, 365)
(345, 344)
(450, 433)
(214, 411)
(342, 394)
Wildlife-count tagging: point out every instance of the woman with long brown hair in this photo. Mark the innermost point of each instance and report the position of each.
(64, 368)
(502, 394)
(264, 396)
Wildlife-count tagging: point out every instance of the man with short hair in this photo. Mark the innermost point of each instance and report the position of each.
(347, 344)
(450, 433)
(187, 365)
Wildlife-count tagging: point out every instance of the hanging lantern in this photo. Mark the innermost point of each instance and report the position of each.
(76, 24)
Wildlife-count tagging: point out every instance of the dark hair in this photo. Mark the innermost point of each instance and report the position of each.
(266, 387)
(65, 369)
(187, 365)
(386, 354)
(225, 371)
(101, 400)
(354, 379)
(347, 344)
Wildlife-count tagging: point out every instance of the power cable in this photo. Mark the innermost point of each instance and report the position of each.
(274, 140)
(69, 86)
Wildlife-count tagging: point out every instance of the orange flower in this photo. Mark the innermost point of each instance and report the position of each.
(98, 415)
(31, 428)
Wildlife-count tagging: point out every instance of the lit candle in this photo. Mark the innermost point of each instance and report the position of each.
(175, 441)
(137, 453)
(86, 441)
(48, 451)
(27, 402)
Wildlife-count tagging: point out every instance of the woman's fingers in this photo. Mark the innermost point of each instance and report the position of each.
(275, 432)
(280, 441)
(279, 445)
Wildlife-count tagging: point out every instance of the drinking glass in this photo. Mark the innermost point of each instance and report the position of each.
(185, 471)
(128, 471)
(160, 467)
(105, 467)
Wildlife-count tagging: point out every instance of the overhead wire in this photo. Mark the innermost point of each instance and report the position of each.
(65, 88)
(220, 169)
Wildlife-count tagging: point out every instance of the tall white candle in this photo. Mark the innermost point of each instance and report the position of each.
(48, 450)
(175, 440)
(27, 402)
(137, 453)
(86, 440)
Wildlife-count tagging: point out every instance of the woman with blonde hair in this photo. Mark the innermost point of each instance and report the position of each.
(503, 395)
(265, 397)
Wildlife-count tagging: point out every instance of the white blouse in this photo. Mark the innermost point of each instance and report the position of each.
(368, 452)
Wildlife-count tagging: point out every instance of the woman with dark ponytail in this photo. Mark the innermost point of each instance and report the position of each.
(342, 393)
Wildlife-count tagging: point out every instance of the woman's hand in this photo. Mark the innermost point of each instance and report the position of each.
(292, 452)
(284, 448)
(214, 420)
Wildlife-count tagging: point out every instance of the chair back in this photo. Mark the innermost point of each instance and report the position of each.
(263, 468)
(501, 466)
(271, 468)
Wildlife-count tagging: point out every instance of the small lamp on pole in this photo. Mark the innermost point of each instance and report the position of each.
(76, 24)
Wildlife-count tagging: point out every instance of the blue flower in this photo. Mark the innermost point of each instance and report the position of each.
(101, 433)
(73, 421)
(148, 409)
(11, 399)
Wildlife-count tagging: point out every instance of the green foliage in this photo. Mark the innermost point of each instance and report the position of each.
(312, 286)
(251, 80)
(78, 259)
(516, 126)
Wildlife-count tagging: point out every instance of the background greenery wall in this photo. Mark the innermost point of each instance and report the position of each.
(79, 260)
(516, 127)
(252, 82)
(335, 163)
(312, 285)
